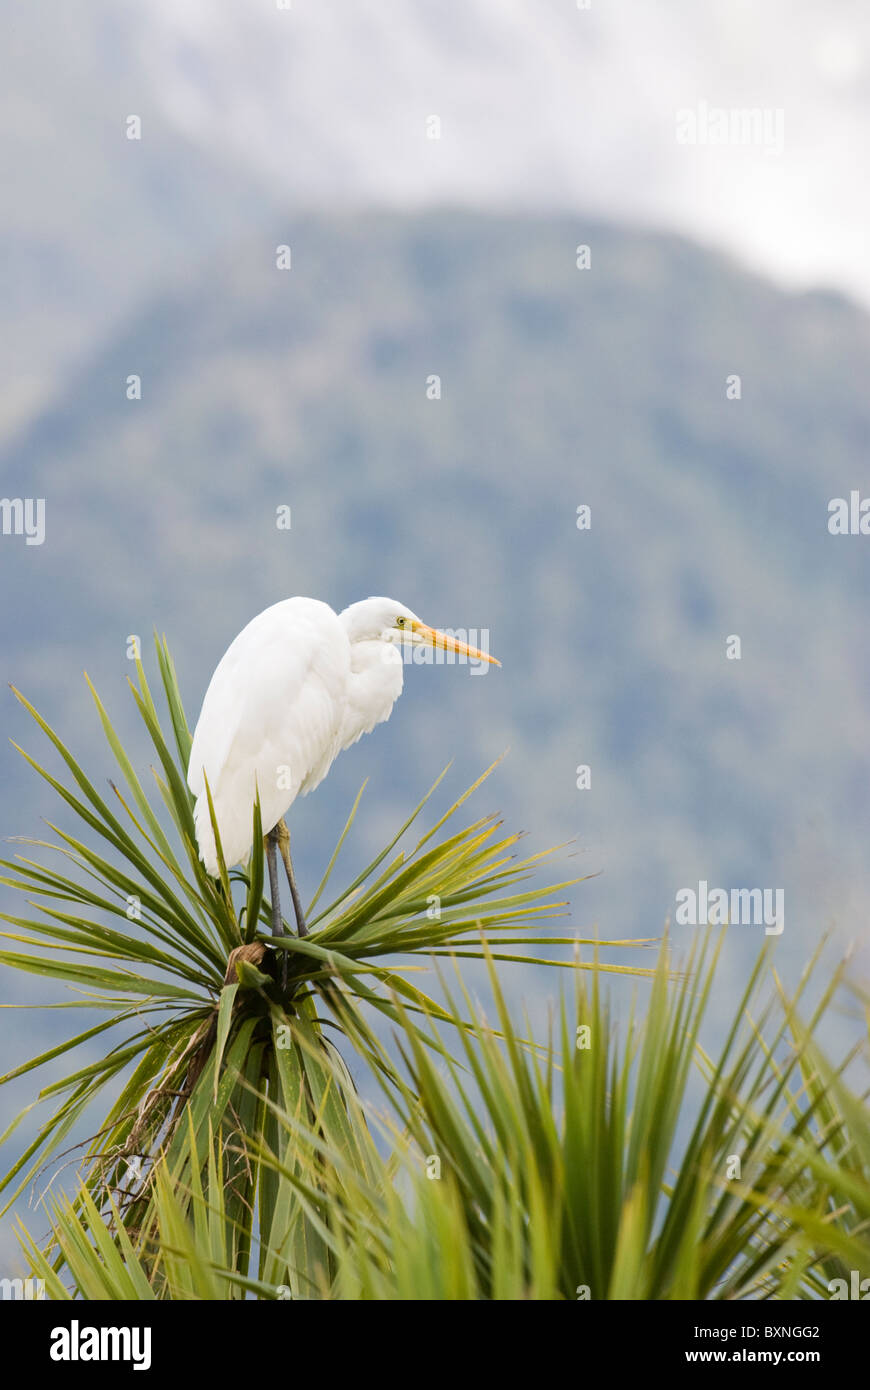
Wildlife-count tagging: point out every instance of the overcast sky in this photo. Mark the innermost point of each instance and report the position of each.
(543, 103)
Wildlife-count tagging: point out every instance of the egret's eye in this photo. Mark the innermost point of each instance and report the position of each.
(400, 622)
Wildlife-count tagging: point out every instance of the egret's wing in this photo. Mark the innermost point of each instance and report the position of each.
(270, 720)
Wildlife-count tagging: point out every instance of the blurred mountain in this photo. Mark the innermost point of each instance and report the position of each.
(560, 387)
(92, 221)
(263, 388)
(549, 105)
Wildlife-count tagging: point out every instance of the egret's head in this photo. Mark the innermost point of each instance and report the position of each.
(385, 620)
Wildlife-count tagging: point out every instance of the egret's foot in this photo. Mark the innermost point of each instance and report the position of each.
(283, 836)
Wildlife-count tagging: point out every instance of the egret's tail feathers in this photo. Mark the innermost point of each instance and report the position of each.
(235, 838)
(205, 836)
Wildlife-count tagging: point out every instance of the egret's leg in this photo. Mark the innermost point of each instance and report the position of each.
(283, 835)
(275, 895)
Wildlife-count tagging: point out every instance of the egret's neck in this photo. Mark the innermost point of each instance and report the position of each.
(374, 687)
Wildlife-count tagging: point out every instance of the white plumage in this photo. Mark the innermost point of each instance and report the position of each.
(298, 684)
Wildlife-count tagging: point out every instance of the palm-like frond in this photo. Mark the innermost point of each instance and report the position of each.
(583, 1167)
(599, 1171)
(185, 968)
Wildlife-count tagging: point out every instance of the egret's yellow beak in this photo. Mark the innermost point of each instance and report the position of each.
(452, 644)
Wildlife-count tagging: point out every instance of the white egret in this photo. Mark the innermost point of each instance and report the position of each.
(299, 684)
